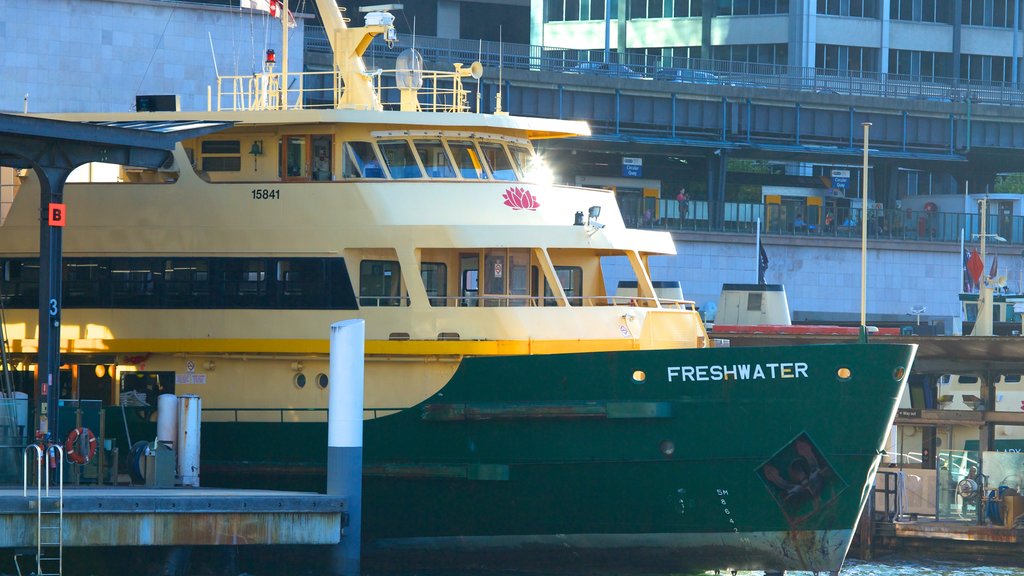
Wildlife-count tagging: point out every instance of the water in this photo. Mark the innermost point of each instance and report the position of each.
(898, 566)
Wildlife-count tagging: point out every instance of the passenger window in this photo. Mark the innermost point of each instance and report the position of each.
(522, 157)
(497, 158)
(380, 283)
(435, 280)
(360, 161)
(296, 163)
(400, 159)
(467, 159)
(435, 159)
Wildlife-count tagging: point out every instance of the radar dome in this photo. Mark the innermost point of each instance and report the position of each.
(409, 69)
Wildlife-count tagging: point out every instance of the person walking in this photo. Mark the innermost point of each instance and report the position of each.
(684, 204)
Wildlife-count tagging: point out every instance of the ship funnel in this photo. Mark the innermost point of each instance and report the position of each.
(409, 77)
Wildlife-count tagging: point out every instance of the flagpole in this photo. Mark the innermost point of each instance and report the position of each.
(757, 255)
(958, 328)
(864, 240)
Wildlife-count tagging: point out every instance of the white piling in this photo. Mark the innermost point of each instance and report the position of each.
(345, 437)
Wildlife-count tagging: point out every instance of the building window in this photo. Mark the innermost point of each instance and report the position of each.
(687, 8)
(924, 65)
(979, 68)
(854, 8)
(923, 10)
(776, 54)
(996, 13)
(852, 59)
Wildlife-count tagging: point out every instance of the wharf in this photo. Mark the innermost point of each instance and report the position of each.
(129, 516)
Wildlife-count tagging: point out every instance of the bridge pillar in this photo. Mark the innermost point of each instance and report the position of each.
(718, 164)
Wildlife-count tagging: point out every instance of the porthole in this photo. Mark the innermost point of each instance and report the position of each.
(300, 380)
(844, 373)
(667, 447)
(639, 376)
(321, 380)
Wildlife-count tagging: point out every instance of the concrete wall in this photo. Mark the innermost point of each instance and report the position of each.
(822, 277)
(97, 55)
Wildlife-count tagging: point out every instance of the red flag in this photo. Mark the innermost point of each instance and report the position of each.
(995, 267)
(975, 266)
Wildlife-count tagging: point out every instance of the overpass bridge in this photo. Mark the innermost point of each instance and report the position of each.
(970, 131)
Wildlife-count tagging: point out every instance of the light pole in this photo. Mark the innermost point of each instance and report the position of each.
(864, 239)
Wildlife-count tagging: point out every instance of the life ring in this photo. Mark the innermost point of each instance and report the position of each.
(931, 207)
(71, 446)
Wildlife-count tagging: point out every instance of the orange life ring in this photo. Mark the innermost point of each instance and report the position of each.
(71, 444)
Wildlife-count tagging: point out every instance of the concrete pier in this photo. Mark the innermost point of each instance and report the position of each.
(123, 516)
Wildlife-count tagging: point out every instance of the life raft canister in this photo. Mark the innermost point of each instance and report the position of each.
(80, 445)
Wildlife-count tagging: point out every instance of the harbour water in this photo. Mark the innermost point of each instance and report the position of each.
(901, 566)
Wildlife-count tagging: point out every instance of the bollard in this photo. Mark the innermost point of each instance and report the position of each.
(345, 438)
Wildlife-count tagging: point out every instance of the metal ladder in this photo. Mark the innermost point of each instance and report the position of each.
(49, 510)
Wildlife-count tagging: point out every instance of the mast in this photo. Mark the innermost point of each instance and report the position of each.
(284, 59)
(348, 46)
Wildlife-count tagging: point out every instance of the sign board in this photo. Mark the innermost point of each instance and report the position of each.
(841, 179)
(632, 167)
(56, 214)
(908, 413)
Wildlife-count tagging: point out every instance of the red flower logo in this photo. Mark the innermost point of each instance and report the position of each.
(520, 199)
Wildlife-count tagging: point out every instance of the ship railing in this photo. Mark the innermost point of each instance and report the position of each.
(521, 301)
(438, 91)
(284, 415)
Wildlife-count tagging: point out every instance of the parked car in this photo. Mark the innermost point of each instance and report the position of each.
(686, 75)
(605, 69)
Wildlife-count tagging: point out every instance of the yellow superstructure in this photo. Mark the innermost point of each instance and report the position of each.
(227, 268)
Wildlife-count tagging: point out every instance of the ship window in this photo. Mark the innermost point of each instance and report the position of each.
(467, 159)
(435, 159)
(968, 379)
(222, 147)
(506, 277)
(222, 163)
(571, 279)
(21, 284)
(301, 281)
(435, 280)
(360, 161)
(132, 282)
(469, 279)
(222, 155)
(1011, 378)
(522, 157)
(322, 158)
(296, 160)
(380, 283)
(400, 159)
(83, 282)
(497, 158)
(186, 283)
(754, 302)
(243, 282)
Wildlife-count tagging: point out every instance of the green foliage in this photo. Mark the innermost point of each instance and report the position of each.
(1010, 183)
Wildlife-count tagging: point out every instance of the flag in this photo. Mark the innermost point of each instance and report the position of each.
(968, 284)
(975, 267)
(762, 266)
(994, 270)
(271, 6)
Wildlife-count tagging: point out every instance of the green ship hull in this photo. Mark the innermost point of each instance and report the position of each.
(741, 458)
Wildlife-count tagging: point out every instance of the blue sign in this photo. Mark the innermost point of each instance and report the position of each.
(632, 167)
(841, 179)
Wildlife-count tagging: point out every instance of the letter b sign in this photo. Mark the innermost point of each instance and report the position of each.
(57, 214)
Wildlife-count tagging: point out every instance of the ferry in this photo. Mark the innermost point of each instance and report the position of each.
(517, 413)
